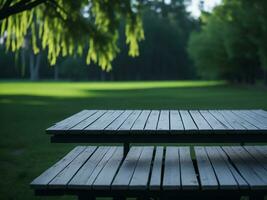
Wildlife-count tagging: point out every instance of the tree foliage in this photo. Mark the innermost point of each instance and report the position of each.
(67, 27)
(232, 41)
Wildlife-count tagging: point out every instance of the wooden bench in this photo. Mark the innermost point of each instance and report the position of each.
(162, 126)
(210, 172)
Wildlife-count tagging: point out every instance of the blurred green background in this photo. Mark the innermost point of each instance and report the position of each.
(195, 55)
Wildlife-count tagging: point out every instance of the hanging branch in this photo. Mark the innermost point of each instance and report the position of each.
(8, 9)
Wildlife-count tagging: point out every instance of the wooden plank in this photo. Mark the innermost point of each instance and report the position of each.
(155, 180)
(262, 150)
(207, 176)
(49, 174)
(258, 169)
(72, 120)
(83, 124)
(164, 121)
(221, 119)
(139, 179)
(257, 155)
(105, 120)
(188, 174)
(61, 180)
(176, 120)
(260, 112)
(188, 122)
(222, 172)
(238, 120)
(201, 123)
(243, 121)
(262, 120)
(233, 121)
(130, 120)
(213, 122)
(152, 120)
(106, 176)
(171, 178)
(100, 166)
(124, 175)
(244, 168)
(119, 121)
(81, 177)
(250, 119)
(140, 122)
(242, 184)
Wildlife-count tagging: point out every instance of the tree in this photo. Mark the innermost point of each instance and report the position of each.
(66, 27)
(231, 43)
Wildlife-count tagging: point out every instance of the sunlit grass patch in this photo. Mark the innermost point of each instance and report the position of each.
(82, 89)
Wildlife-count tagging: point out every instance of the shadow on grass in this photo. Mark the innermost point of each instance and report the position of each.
(25, 149)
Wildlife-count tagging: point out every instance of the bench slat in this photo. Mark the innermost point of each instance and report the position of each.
(140, 122)
(241, 182)
(81, 177)
(119, 121)
(188, 122)
(213, 122)
(164, 120)
(245, 169)
(232, 120)
(83, 124)
(257, 168)
(61, 179)
(263, 113)
(152, 120)
(104, 120)
(262, 150)
(72, 120)
(130, 120)
(221, 119)
(50, 173)
(223, 173)
(206, 174)
(200, 121)
(257, 155)
(140, 177)
(106, 176)
(100, 166)
(245, 121)
(176, 120)
(124, 175)
(188, 174)
(155, 180)
(258, 120)
(171, 178)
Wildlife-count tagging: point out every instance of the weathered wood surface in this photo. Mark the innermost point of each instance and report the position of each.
(149, 168)
(166, 126)
(153, 121)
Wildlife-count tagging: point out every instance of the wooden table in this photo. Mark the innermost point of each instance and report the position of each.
(227, 172)
(162, 126)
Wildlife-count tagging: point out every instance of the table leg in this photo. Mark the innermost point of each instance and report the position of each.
(126, 148)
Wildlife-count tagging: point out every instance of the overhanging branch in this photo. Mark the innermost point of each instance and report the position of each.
(18, 7)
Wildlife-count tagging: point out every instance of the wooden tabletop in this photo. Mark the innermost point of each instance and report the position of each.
(158, 169)
(140, 125)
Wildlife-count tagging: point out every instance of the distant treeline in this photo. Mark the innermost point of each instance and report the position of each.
(232, 42)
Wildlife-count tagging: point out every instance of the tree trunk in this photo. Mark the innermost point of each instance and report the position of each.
(34, 66)
(56, 73)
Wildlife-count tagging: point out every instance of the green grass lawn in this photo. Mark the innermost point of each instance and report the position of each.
(27, 109)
